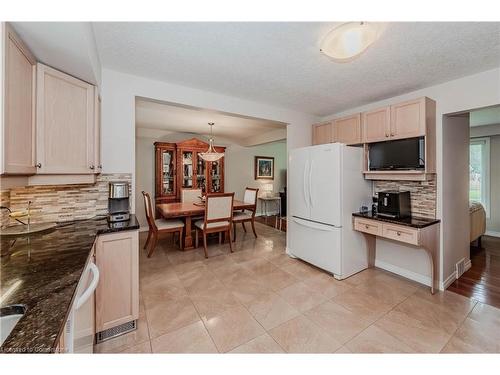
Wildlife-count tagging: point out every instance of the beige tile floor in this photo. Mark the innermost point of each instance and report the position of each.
(258, 300)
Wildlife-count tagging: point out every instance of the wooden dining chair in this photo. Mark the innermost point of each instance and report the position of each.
(190, 195)
(159, 226)
(218, 217)
(248, 214)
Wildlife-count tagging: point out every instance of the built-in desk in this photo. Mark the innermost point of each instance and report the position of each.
(419, 232)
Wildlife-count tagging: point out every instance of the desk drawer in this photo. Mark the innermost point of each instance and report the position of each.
(368, 226)
(400, 233)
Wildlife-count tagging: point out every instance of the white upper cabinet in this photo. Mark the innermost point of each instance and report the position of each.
(18, 118)
(65, 124)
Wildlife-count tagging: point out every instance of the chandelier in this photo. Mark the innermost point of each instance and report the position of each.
(211, 154)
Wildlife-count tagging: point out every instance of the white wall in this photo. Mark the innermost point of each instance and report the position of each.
(239, 165)
(471, 92)
(455, 228)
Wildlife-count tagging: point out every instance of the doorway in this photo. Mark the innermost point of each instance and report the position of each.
(482, 280)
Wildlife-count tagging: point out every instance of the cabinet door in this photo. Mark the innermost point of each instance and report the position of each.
(201, 173)
(165, 172)
(97, 132)
(19, 106)
(65, 123)
(187, 169)
(408, 119)
(117, 294)
(216, 176)
(347, 130)
(322, 133)
(376, 125)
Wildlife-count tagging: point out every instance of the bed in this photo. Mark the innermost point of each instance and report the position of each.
(477, 221)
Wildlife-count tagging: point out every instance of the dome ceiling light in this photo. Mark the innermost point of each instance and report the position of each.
(346, 42)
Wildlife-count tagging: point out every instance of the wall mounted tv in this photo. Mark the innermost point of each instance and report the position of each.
(402, 154)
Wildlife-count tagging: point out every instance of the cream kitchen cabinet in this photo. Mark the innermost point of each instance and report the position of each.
(376, 125)
(65, 123)
(18, 117)
(117, 295)
(409, 119)
(347, 129)
(322, 133)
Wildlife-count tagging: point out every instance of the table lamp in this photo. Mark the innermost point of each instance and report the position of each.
(268, 190)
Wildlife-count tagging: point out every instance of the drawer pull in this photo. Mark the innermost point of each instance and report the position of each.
(367, 226)
(398, 233)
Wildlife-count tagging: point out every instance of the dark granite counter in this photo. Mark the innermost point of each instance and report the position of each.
(413, 221)
(41, 271)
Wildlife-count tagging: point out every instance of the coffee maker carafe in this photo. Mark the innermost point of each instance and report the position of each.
(118, 202)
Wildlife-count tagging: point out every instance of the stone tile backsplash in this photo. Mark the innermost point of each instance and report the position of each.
(422, 194)
(59, 203)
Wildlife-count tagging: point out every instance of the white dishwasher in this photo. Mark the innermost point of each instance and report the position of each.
(80, 327)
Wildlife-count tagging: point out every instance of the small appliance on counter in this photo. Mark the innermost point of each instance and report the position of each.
(374, 205)
(394, 204)
(118, 202)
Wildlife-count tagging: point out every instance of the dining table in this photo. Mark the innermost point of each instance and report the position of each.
(188, 210)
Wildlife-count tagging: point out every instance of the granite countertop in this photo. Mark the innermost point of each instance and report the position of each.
(41, 271)
(413, 221)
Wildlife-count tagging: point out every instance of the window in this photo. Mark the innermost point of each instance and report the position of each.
(479, 168)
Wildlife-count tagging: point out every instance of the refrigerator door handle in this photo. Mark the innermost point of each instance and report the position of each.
(310, 183)
(310, 224)
(304, 187)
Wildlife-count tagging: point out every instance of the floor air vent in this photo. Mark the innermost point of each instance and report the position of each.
(116, 331)
(460, 268)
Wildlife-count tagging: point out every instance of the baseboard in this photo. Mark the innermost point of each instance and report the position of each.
(450, 279)
(468, 265)
(425, 280)
(492, 233)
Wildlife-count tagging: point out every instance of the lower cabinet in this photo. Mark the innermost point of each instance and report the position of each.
(117, 295)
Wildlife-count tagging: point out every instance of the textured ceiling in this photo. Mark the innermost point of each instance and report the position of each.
(280, 63)
(167, 117)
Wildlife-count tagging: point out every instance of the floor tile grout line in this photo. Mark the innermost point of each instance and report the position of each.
(384, 314)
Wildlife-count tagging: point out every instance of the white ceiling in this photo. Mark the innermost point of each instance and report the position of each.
(485, 116)
(279, 63)
(164, 118)
(67, 46)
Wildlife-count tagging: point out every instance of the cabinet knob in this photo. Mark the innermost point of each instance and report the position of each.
(99, 166)
(387, 135)
(38, 165)
(392, 134)
(366, 226)
(92, 167)
(398, 233)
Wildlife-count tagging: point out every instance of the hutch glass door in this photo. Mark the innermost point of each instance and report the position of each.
(167, 172)
(187, 169)
(201, 174)
(216, 176)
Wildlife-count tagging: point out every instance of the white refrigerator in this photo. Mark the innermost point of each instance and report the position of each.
(326, 186)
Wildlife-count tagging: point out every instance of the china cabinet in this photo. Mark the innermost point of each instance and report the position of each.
(179, 166)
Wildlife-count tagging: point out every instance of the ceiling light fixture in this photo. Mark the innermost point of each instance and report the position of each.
(211, 154)
(346, 42)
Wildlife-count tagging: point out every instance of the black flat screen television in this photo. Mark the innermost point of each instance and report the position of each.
(403, 154)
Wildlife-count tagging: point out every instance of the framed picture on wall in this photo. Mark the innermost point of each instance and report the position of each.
(264, 168)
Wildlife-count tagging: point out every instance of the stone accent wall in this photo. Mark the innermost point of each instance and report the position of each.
(423, 195)
(60, 203)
